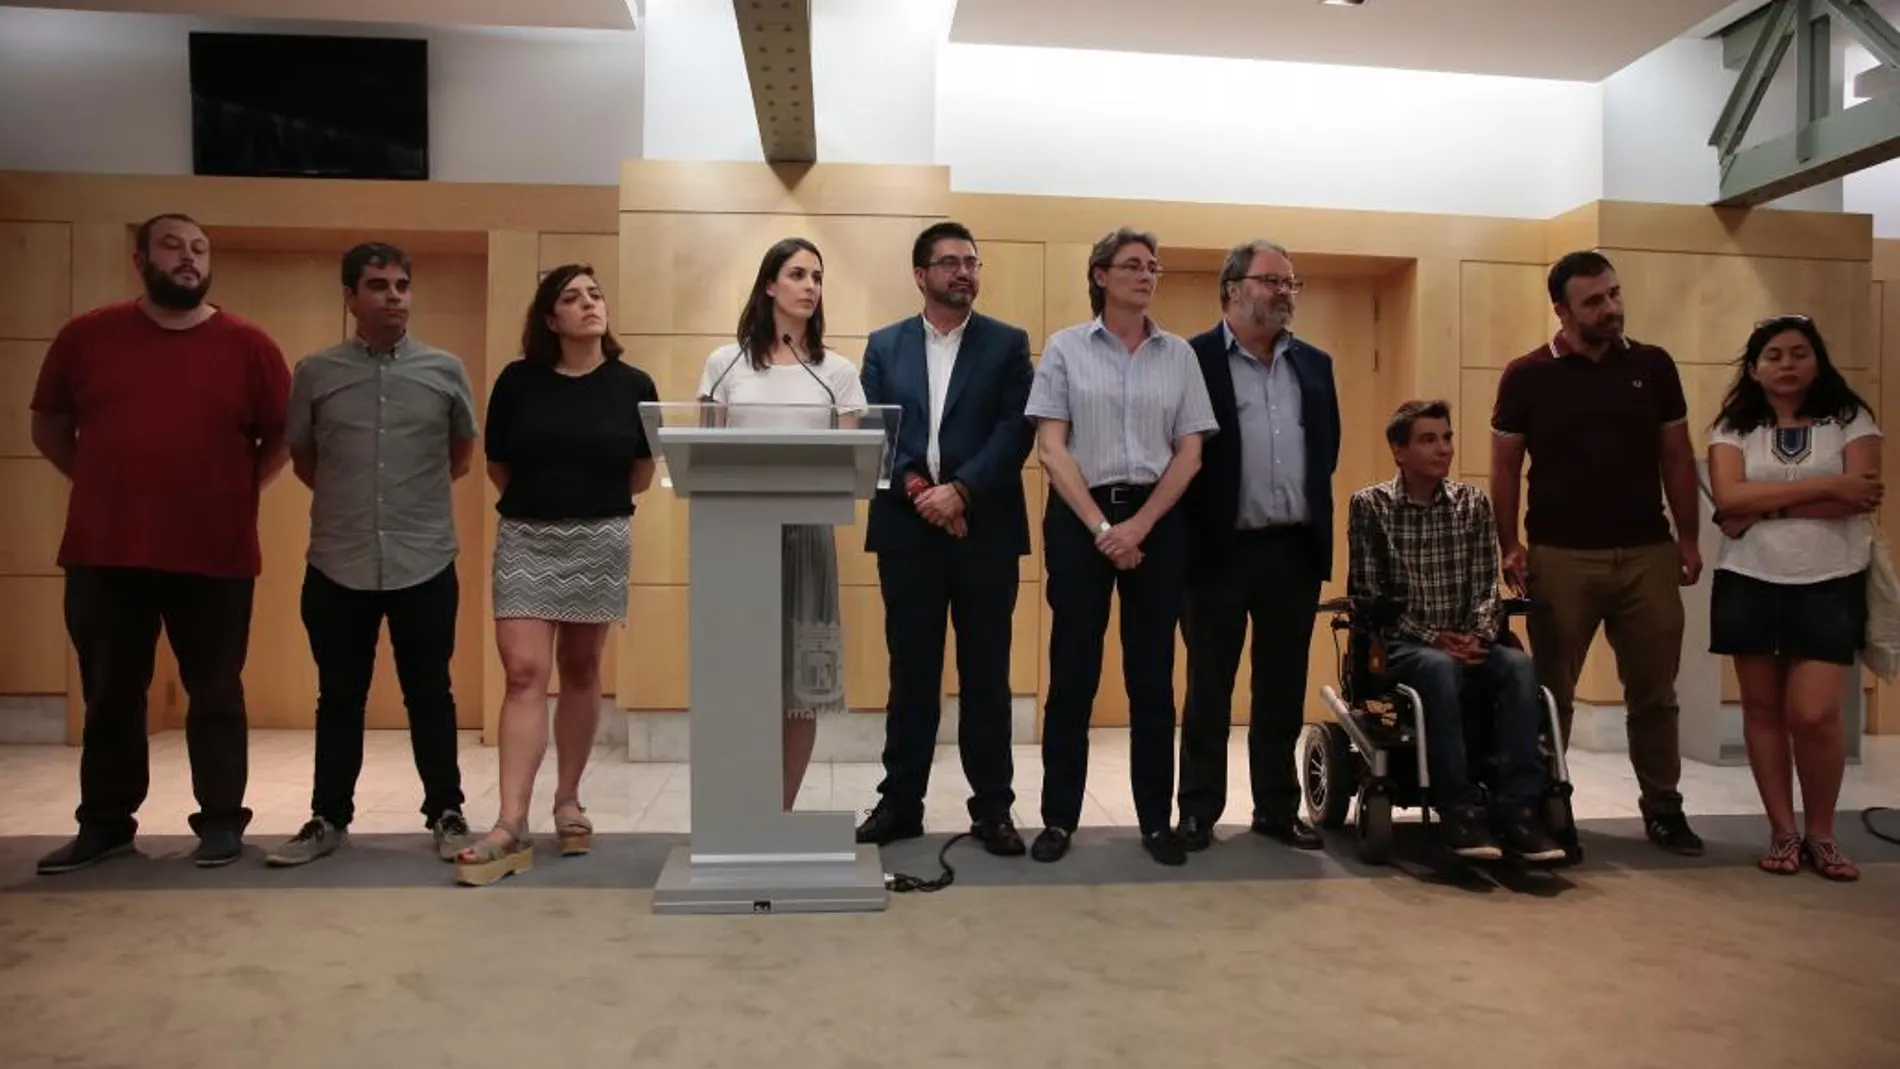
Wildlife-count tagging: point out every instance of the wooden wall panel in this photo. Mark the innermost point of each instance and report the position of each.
(1065, 288)
(698, 269)
(36, 301)
(103, 271)
(34, 517)
(33, 658)
(653, 655)
(19, 370)
(1505, 312)
(1011, 287)
(1701, 308)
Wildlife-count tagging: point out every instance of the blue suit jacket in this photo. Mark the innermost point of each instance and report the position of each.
(983, 441)
(1213, 498)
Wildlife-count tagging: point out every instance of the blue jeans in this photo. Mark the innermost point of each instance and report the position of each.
(1440, 679)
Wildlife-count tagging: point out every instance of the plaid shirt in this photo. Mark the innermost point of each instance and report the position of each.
(1441, 559)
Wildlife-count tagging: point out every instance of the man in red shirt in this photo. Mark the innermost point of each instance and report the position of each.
(168, 416)
(1605, 423)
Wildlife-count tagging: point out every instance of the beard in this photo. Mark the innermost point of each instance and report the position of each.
(1273, 315)
(953, 298)
(1602, 332)
(171, 295)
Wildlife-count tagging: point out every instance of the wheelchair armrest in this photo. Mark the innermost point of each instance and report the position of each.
(1335, 605)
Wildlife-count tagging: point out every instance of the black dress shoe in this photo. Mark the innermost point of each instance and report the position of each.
(1196, 834)
(1290, 830)
(1164, 846)
(999, 837)
(91, 846)
(218, 847)
(884, 826)
(1050, 845)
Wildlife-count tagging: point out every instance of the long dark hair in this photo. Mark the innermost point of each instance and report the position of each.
(539, 343)
(758, 328)
(1746, 406)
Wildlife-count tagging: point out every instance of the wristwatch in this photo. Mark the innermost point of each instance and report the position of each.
(1102, 528)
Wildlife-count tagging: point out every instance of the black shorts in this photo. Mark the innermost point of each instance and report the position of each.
(1825, 621)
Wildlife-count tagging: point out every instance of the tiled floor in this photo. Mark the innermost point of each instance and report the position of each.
(39, 784)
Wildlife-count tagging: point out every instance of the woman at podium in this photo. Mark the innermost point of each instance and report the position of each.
(779, 373)
(568, 453)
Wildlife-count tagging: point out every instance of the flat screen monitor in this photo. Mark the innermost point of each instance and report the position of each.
(288, 105)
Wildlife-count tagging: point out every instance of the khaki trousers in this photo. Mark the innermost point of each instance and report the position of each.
(1634, 594)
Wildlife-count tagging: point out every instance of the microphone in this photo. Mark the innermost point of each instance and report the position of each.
(815, 377)
(711, 391)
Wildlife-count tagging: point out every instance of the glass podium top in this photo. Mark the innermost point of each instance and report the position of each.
(797, 430)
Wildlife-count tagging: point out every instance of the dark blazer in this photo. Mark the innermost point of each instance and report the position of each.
(1213, 499)
(983, 441)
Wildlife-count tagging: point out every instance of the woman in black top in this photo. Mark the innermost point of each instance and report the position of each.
(567, 450)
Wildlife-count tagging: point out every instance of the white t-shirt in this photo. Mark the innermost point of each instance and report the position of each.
(729, 378)
(1792, 550)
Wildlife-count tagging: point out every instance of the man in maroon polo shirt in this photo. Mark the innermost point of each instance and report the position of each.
(1605, 423)
(168, 416)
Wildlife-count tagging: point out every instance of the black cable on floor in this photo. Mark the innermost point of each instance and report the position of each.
(1867, 820)
(899, 883)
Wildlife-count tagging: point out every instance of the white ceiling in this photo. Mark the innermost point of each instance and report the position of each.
(1571, 40)
(564, 14)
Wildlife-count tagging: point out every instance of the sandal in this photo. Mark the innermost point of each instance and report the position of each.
(1825, 857)
(489, 859)
(572, 828)
(1784, 855)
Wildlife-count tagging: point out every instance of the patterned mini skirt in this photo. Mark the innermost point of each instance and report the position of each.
(569, 571)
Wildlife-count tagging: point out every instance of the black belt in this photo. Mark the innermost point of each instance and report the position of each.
(1120, 494)
(1274, 532)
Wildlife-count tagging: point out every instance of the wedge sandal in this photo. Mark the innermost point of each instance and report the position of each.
(572, 829)
(487, 860)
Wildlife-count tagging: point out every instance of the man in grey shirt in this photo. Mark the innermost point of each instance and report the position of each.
(379, 428)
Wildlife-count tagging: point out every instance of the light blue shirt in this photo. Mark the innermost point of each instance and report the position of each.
(1125, 410)
(1272, 436)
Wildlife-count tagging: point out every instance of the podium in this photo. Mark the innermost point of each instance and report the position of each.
(745, 472)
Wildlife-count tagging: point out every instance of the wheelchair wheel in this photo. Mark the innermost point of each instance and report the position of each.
(1330, 773)
(1375, 825)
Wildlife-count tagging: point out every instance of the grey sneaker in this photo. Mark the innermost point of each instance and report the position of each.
(317, 838)
(451, 834)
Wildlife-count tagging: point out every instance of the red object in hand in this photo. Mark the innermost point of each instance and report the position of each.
(915, 484)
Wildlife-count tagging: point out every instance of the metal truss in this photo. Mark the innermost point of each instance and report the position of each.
(1827, 142)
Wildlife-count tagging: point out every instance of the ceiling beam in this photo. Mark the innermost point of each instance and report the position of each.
(1839, 144)
(1739, 37)
(775, 36)
(1826, 144)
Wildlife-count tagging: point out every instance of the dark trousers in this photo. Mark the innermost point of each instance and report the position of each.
(976, 588)
(344, 625)
(1272, 578)
(1080, 582)
(114, 616)
(1510, 682)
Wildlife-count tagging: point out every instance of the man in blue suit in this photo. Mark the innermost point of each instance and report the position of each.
(947, 536)
(1261, 509)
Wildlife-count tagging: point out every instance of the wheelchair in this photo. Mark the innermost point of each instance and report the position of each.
(1374, 753)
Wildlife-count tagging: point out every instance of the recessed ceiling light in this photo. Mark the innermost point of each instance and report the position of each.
(1341, 3)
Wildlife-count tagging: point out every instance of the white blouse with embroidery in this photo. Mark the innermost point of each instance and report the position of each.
(1793, 550)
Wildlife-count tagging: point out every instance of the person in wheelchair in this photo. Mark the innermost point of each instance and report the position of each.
(1429, 543)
